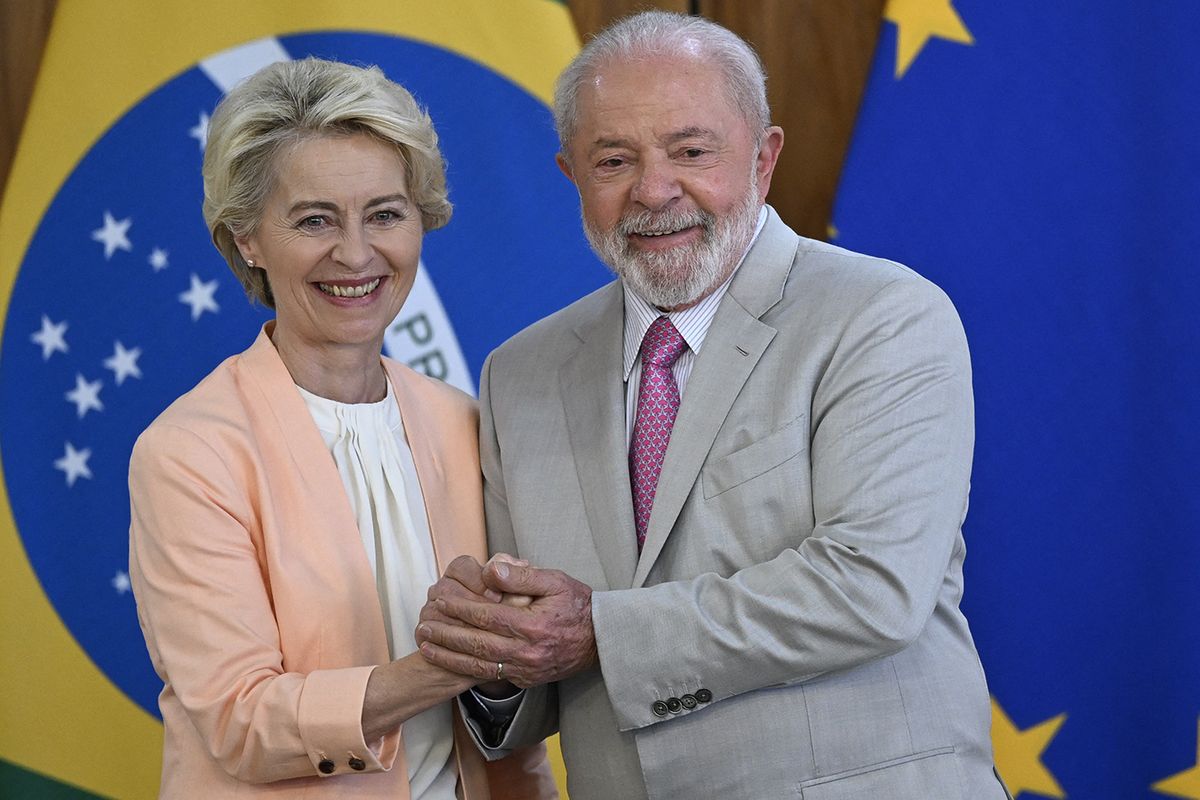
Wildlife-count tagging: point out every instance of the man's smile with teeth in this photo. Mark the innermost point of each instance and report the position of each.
(349, 291)
(663, 233)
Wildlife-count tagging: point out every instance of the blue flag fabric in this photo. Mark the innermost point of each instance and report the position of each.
(114, 302)
(1041, 162)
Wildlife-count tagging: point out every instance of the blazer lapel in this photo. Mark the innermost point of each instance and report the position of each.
(280, 402)
(594, 403)
(276, 402)
(735, 342)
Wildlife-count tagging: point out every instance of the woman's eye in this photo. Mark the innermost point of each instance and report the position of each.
(386, 215)
(313, 223)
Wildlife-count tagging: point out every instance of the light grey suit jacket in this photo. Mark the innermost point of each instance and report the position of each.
(792, 627)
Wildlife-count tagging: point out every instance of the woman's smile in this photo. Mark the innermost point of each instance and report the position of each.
(350, 289)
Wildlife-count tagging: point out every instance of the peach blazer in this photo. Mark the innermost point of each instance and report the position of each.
(257, 600)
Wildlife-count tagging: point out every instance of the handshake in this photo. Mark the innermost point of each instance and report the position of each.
(507, 620)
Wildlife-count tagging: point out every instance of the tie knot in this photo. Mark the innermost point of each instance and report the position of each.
(662, 344)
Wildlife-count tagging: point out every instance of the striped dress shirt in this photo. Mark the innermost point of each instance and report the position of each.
(692, 323)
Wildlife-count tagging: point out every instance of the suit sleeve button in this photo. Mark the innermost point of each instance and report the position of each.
(673, 705)
(357, 764)
(659, 708)
(703, 695)
(689, 701)
(326, 766)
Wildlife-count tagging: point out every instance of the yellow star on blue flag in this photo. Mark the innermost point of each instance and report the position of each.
(1019, 753)
(1186, 783)
(917, 21)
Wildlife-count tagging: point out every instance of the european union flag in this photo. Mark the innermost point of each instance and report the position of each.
(1040, 162)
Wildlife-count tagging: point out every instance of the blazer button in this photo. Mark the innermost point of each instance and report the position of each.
(703, 695)
(326, 766)
(689, 701)
(659, 708)
(673, 705)
(357, 763)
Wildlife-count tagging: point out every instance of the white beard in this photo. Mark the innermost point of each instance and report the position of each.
(679, 276)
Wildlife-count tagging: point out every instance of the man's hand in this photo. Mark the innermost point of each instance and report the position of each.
(463, 579)
(549, 639)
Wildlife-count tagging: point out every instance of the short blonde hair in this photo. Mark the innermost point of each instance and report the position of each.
(287, 102)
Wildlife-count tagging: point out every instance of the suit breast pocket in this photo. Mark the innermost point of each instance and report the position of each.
(756, 458)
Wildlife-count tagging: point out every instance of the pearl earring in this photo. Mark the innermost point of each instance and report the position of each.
(250, 263)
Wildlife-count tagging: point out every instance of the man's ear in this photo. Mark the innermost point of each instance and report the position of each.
(565, 166)
(768, 155)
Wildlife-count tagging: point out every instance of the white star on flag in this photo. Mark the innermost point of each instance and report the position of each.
(120, 582)
(85, 395)
(74, 464)
(200, 131)
(158, 259)
(123, 362)
(200, 297)
(114, 235)
(52, 337)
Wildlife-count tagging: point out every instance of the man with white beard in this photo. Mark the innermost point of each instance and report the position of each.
(734, 478)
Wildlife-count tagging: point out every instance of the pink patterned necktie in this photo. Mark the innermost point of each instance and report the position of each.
(657, 405)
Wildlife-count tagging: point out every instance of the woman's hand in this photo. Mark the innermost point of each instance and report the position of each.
(404, 688)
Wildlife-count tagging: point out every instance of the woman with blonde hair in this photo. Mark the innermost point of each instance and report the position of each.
(290, 512)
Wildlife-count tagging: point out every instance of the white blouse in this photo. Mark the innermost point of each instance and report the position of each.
(372, 455)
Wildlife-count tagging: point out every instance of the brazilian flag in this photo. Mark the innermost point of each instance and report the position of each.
(1040, 162)
(114, 302)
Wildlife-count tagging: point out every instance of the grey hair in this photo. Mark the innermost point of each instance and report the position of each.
(656, 34)
(286, 103)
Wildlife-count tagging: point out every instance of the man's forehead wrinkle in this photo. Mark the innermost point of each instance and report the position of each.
(690, 132)
(670, 137)
(605, 141)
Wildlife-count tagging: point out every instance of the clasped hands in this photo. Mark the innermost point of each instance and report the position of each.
(536, 622)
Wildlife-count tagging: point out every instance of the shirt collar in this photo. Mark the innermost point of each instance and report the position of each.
(692, 323)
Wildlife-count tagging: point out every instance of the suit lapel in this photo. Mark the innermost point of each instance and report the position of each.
(733, 346)
(735, 342)
(594, 403)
